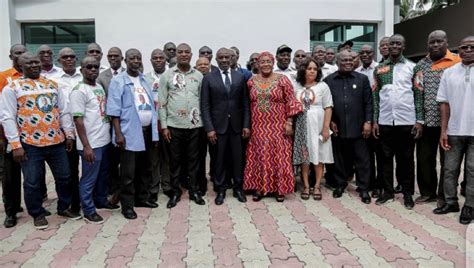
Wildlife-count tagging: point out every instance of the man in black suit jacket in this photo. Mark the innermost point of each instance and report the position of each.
(226, 115)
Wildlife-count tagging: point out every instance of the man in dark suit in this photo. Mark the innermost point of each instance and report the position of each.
(351, 124)
(115, 58)
(226, 116)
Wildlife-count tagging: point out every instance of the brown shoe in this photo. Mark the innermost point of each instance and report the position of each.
(424, 199)
(114, 199)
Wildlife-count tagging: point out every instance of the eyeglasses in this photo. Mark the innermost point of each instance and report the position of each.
(91, 66)
(365, 52)
(95, 51)
(300, 56)
(206, 52)
(68, 57)
(466, 47)
(46, 52)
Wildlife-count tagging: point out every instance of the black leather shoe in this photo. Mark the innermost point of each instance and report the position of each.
(376, 193)
(447, 208)
(338, 192)
(220, 199)
(240, 196)
(466, 215)
(196, 197)
(398, 189)
(10, 221)
(174, 199)
(153, 198)
(408, 201)
(384, 199)
(365, 197)
(129, 214)
(146, 204)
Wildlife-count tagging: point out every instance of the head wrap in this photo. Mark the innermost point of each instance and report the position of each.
(266, 54)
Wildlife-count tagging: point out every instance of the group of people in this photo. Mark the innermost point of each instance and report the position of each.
(136, 133)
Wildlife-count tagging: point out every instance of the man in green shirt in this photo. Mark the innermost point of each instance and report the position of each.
(180, 118)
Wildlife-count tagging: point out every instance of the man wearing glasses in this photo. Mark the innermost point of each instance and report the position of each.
(206, 52)
(456, 93)
(298, 58)
(67, 78)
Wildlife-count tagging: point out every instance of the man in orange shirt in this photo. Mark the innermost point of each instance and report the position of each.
(10, 170)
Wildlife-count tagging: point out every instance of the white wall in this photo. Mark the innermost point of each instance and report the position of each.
(253, 26)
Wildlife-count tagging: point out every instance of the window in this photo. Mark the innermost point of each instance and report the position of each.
(331, 34)
(76, 35)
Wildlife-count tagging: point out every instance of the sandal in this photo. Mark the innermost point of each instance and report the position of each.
(257, 196)
(311, 190)
(317, 194)
(305, 194)
(280, 198)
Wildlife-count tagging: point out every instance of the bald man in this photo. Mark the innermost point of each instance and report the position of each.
(48, 69)
(94, 50)
(203, 65)
(427, 78)
(115, 58)
(319, 55)
(10, 170)
(33, 147)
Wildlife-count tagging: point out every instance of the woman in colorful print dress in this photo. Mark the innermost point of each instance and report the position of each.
(273, 105)
(312, 138)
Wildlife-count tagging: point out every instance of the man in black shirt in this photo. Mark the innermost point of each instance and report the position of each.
(351, 124)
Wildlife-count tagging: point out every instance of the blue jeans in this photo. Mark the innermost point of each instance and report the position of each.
(461, 147)
(56, 157)
(93, 182)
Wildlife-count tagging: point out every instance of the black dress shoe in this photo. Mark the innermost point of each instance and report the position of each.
(365, 197)
(376, 193)
(338, 192)
(398, 189)
(466, 215)
(153, 198)
(146, 204)
(196, 197)
(384, 199)
(174, 199)
(447, 208)
(10, 221)
(220, 198)
(408, 201)
(240, 196)
(129, 214)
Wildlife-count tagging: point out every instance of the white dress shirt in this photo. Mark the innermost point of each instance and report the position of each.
(51, 73)
(328, 69)
(457, 89)
(223, 75)
(369, 72)
(288, 72)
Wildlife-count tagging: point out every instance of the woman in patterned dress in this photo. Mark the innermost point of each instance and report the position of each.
(273, 105)
(312, 138)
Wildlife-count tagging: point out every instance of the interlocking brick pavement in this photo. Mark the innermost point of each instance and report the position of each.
(330, 233)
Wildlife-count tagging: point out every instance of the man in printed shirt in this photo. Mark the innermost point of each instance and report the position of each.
(10, 170)
(160, 156)
(135, 133)
(93, 130)
(35, 121)
(456, 93)
(398, 120)
(426, 81)
(181, 123)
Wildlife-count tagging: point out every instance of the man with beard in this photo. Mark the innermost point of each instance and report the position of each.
(135, 133)
(45, 54)
(428, 72)
(180, 119)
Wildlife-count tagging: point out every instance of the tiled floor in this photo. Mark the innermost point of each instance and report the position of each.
(333, 232)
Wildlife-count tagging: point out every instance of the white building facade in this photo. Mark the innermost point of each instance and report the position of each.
(252, 26)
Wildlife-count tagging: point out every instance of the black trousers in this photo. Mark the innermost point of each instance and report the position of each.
(73, 158)
(350, 152)
(135, 173)
(11, 185)
(398, 142)
(185, 144)
(114, 170)
(426, 152)
(160, 159)
(203, 146)
(376, 164)
(228, 152)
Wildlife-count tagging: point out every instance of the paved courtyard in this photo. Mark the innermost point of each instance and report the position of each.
(333, 232)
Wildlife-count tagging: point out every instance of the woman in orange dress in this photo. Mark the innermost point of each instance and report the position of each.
(273, 104)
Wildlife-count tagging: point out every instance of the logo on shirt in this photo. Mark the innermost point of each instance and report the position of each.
(44, 103)
(195, 116)
(383, 70)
